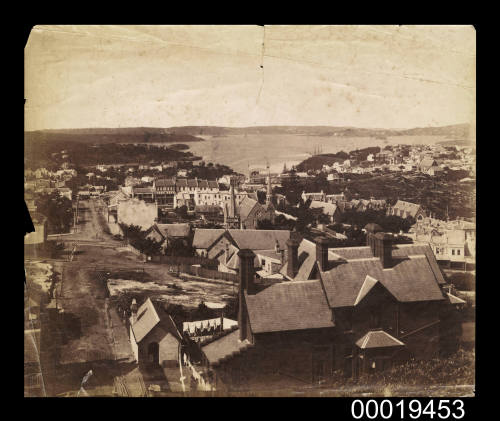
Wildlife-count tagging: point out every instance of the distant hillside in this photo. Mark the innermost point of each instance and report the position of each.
(185, 134)
(119, 135)
(455, 131)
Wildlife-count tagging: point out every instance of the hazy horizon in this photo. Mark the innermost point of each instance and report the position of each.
(115, 76)
(249, 127)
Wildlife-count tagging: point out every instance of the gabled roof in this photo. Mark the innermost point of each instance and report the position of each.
(203, 184)
(286, 306)
(147, 319)
(365, 288)
(192, 182)
(149, 316)
(205, 237)
(409, 208)
(245, 207)
(410, 279)
(259, 239)
(378, 339)
(213, 184)
(172, 230)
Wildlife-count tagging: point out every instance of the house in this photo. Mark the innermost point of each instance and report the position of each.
(407, 209)
(165, 193)
(154, 338)
(224, 244)
(331, 210)
(355, 309)
(164, 234)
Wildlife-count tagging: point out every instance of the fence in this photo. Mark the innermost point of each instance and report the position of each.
(183, 260)
(208, 273)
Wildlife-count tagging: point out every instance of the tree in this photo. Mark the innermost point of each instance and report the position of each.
(57, 209)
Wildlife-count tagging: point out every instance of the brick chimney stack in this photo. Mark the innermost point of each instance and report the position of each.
(293, 258)
(383, 248)
(322, 253)
(246, 284)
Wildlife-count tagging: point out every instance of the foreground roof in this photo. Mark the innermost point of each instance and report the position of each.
(289, 306)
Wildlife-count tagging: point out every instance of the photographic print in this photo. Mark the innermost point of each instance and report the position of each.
(250, 210)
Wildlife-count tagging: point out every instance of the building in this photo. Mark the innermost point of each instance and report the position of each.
(357, 310)
(224, 244)
(407, 209)
(329, 209)
(154, 338)
(165, 234)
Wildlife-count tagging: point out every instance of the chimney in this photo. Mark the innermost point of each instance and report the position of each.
(293, 258)
(383, 248)
(322, 253)
(133, 310)
(246, 284)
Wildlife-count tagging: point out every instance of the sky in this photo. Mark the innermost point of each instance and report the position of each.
(239, 76)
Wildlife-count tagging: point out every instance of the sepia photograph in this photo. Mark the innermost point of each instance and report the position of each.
(250, 211)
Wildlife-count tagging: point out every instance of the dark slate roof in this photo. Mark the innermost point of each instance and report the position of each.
(192, 182)
(378, 339)
(203, 184)
(411, 279)
(286, 306)
(181, 182)
(213, 184)
(205, 237)
(259, 239)
(226, 346)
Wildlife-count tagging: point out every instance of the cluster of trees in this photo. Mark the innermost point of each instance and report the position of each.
(390, 223)
(57, 209)
(136, 237)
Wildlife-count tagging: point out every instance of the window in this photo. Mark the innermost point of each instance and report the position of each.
(458, 252)
(453, 252)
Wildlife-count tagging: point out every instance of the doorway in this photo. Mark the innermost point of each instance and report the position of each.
(154, 353)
